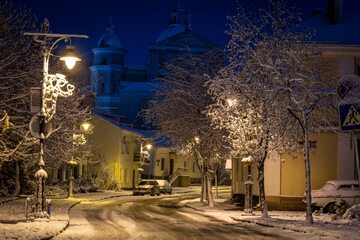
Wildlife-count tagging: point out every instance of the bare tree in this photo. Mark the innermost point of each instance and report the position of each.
(177, 111)
(272, 71)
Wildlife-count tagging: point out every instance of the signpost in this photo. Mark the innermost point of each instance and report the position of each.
(349, 109)
(349, 116)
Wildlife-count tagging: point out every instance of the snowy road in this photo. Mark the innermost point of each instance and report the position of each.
(164, 217)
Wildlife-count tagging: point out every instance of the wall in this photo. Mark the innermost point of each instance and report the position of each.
(109, 143)
(323, 166)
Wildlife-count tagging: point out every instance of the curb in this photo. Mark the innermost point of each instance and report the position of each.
(67, 224)
(268, 225)
(73, 205)
(194, 208)
(8, 200)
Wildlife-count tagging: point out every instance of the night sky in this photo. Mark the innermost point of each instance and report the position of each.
(138, 23)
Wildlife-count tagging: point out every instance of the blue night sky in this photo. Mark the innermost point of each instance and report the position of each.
(138, 23)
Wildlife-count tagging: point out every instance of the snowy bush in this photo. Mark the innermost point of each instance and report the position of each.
(352, 213)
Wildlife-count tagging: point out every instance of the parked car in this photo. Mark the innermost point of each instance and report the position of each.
(333, 192)
(147, 186)
(165, 186)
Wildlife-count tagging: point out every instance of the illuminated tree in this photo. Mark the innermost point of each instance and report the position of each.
(178, 112)
(267, 96)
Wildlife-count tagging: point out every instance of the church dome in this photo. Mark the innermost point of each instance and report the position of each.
(179, 22)
(109, 39)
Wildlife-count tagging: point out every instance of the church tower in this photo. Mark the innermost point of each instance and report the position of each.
(108, 70)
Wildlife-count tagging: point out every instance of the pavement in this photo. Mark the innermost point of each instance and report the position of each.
(13, 224)
(12, 216)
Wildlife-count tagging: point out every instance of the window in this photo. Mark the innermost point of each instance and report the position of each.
(101, 87)
(185, 164)
(345, 186)
(193, 166)
(125, 145)
(162, 163)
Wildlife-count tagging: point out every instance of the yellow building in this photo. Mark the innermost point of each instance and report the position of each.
(333, 154)
(119, 147)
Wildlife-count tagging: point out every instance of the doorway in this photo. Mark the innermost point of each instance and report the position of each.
(171, 166)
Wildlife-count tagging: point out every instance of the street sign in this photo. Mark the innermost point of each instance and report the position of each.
(349, 116)
(35, 99)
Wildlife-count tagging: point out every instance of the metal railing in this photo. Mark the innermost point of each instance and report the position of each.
(177, 173)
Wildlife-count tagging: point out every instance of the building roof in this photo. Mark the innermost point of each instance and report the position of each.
(179, 22)
(144, 133)
(346, 31)
(109, 39)
(186, 39)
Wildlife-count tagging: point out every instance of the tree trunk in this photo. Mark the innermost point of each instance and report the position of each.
(262, 198)
(209, 191)
(309, 218)
(216, 184)
(206, 195)
(202, 188)
(16, 191)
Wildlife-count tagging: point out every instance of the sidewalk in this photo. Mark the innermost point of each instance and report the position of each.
(294, 221)
(13, 224)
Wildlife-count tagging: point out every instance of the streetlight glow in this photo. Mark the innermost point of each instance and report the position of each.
(86, 126)
(148, 146)
(69, 57)
(231, 101)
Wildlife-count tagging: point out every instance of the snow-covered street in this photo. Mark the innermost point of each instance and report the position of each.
(118, 215)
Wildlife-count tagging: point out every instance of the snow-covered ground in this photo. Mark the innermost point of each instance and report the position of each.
(323, 227)
(14, 226)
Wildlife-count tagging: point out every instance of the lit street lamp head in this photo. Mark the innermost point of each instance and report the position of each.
(148, 146)
(69, 57)
(86, 127)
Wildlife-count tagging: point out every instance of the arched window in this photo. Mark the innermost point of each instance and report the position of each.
(102, 87)
(125, 145)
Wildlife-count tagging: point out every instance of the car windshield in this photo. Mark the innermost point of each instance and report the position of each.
(328, 187)
(146, 183)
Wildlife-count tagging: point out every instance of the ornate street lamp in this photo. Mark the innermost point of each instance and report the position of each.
(145, 147)
(52, 86)
(79, 138)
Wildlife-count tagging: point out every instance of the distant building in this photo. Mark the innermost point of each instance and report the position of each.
(122, 90)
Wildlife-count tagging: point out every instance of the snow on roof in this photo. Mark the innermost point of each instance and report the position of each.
(145, 133)
(347, 31)
(172, 30)
(109, 39)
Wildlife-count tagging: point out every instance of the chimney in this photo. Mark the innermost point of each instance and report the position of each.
(334, 11)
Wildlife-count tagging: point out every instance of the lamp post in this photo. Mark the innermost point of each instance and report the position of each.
(52, 86)
(145, 147)
(78, 139)
(72, 163)
(248, 208)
